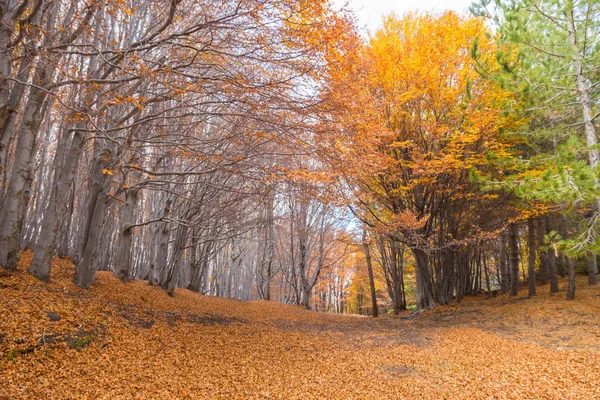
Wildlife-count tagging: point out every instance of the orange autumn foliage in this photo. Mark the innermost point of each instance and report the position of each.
(413, 118)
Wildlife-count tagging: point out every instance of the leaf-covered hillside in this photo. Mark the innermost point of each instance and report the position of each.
(123, 341)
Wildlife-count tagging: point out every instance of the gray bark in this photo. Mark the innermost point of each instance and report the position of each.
(123, 261)
(85, 271)
(11, 212)
(425, 298)
(45, 245)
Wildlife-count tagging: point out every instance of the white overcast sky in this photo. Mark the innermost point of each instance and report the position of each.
(370, 12)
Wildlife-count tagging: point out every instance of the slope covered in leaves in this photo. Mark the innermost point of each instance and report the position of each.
(133, 341)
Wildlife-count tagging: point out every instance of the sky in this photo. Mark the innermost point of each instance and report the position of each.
(369, 12)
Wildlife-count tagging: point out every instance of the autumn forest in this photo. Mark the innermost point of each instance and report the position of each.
(194, 194)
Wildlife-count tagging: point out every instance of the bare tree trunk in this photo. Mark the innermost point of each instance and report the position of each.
(371, 278)
(65, 225)
(532, 256)
(552, 256)
(123, 261)
(504, 271)
(160, 261)
(571, 286)
(44, 247)
(265, 264)
(304, 290)
(592, 270)
(552, 271)
(12, 206)
(174, 267)
(487, 273)
(10, 98)
(585, 100)
(85, 272)
(424, 288)
(542, 254)
(514, 260)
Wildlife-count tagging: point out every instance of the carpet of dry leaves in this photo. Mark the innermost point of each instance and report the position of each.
(119, 341)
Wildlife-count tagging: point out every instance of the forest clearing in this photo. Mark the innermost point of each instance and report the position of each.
(118, 341)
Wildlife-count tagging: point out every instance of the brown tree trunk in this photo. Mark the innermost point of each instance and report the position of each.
(504, 273)
(532, 256)
(571, 287)
(552, 271)
(514, 259)
(371, 278)
(542, 254)
(487, 273)
(592, 270)
(424, 288)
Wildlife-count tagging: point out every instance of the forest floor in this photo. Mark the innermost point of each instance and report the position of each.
(118, 341)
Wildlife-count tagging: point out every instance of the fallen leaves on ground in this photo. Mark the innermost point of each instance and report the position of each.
(123, 341)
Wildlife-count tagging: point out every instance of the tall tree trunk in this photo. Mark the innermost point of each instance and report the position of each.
(65, 225)
(504, 271)
(395, 265)
(11, 98)
(175, 264)
(592, 269)
(123, 261)
(532, 256)
(585, 99)
(553, 260)
(514, 259)
(9, 123)
(11, 212)
(85, 272)
(304, 295)
(44, 247)
(160, 261)
(100, 163)
(424, 288)
(552, 272)
(542, 254)
(371, 278)
(487, 273)
(571, 286)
